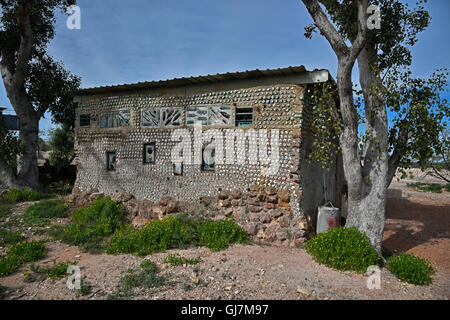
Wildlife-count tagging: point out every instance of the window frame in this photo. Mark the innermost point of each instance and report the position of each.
(236, 116)
(210, 170)
(107, 161)
(80, 122)
(145, 150)
(174, 171)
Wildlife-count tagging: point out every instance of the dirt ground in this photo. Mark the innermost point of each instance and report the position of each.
(417, 222)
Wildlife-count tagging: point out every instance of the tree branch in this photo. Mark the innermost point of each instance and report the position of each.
(440, 175)
(326, 28)
(361, 38)
(26, 44)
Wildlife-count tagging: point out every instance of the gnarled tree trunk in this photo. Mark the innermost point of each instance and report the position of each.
(367, 211)
(14, 68)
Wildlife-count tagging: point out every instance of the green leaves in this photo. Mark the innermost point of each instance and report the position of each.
(418, 112)
(326, 123)
(171, 233)
(21, 253)
(28, 251)
(178, 260)
(40, 213)
(218, 235)
(420, 115)
(343, 249)
(10, 148)
(411, 269)
(91, 224)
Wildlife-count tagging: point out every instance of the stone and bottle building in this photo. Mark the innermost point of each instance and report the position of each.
(126, 136)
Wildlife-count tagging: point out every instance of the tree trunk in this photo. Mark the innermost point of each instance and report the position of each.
(367, 180)
(367, 212)
(27, 165)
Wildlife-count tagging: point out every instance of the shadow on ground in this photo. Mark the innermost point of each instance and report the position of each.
(412, 223)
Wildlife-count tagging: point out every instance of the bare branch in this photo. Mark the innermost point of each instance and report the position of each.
(326, 27)
(439, 175)
(361, 37)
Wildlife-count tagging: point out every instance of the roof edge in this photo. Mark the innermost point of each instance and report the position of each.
(315, 76)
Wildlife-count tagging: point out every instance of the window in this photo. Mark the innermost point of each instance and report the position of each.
(220, 116)
(178, 169)
(244, 117)
(115, 119)
(208, 159)
(213, 115)
(111, 161)
(149, 152)
(85, 120)
(163, 118)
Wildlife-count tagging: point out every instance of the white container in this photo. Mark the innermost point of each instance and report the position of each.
(328, 218)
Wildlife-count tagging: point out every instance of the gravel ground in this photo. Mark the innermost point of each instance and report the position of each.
(417, 222)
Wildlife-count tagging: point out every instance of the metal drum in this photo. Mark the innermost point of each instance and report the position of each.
(328, 218)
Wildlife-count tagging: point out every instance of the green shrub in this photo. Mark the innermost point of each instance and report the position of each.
(175, 233)
(91, 224)
(37, 273)
(25, 195)
(40, 213)
(343, 249)
(411, 269)
(7, 237)
(58, 270)
(156, 236)
(177, 260)
(8, 265)
(218, 235)
(28, 251)
(429, 187)
(21, 253)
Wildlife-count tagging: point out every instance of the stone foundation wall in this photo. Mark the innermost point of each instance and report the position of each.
(264, 212)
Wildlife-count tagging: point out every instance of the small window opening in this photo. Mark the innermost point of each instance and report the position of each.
(85, 120)
(111, 160)
(149, 152)
(208, 159)
(244, 117)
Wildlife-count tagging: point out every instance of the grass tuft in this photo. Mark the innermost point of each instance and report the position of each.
(146, 278)
(41, 213)
(177, 260)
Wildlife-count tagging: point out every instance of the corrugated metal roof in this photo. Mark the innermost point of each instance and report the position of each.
(197, 80)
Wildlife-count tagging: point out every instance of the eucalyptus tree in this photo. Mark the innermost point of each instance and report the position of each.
(416, 110)
(33, 80)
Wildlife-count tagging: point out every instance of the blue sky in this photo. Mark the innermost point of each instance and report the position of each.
(142, 40)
